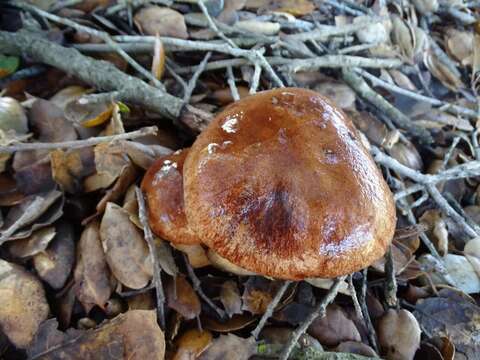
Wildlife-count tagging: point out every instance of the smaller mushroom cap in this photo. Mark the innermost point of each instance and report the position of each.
(163, 188)
(280, 184)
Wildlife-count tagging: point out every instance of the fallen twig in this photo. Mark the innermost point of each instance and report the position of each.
(77, 144)
(157, 279)
(318, 312)
(271, 308)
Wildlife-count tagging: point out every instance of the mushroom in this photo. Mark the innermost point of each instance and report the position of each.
(279, 184)
(163, 187)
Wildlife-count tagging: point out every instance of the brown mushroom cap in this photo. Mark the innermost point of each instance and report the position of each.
(280, 184)
(163, 187)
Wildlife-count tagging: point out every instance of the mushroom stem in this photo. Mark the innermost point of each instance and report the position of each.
(319, 312)
(271, 307)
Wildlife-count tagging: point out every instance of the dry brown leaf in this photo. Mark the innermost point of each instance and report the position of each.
(89, 113)
(340, 93)
(158, 62)
(230, 298)
(110, 162)
(375, 32)
(142, 301)
(334, 328)
(92, 276)
(402, 80)
(134, 335)
(453, 316)
(258, 293)
(398, 334)
(125, 179)
(69, 167)
(125, 248)
(24, 305)
(55, 264)
(144, 155)
(403, 37)
(185, 301)
(35, 176)
(50, 123)
(153, 20)
(448, 76)
(459, 45)
(192, 343)
(38, 210)
(230, 347)
(165, 257)
(34, 244)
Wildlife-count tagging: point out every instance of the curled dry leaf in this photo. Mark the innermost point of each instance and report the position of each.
(403, 37)
(32, 245)
(406, 155)
(453, 316)
(24, 305)
(143, 155)
(125, 248)
(153, 20)
(133, 335)
(230, 298)
(92, 276)
(40, 210)
(449, 76)
(165, 257)
(230, 347)
(55, 264)
(192, 343)
(398, 334)
(158, 62)
(184, 300)
(334, 328)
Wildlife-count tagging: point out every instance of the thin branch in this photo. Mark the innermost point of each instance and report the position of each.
(193, 80)
(197, 287)
(318, 312)
(101, 34)
(255, 79)
(76, 144)
(231, 84)
(157, 278)
(271, 308)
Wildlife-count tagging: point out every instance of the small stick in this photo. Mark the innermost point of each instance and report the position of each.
(76, 144)
(255, 79)
(101, 34)
(271, 308)
(358, 310)
(372, 335)
(318, 312)
(193, 80)
(231, 84)
(214, 26)
(390, 280)
(196, 286)
(157, 279)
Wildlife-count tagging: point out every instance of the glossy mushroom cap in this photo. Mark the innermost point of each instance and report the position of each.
(280, 184)
(163, 188)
